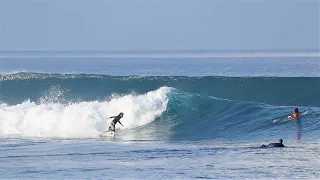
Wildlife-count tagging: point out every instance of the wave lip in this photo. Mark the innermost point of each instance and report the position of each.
(256, 89)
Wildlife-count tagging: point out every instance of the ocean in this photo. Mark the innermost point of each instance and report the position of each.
(187, 116)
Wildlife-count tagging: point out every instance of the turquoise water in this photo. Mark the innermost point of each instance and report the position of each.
(184, 118)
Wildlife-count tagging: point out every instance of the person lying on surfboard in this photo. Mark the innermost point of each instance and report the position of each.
(274, 144)
(116, 119)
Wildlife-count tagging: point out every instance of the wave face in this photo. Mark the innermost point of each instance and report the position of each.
(157, 108)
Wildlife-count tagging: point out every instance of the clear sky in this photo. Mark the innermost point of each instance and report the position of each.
(128, 25)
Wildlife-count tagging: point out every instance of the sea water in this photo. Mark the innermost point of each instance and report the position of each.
(185, 117)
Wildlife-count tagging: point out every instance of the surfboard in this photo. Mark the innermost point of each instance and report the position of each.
(108, 134)
(300, 115)
(290, 118)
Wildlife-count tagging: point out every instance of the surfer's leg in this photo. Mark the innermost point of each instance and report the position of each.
(112, 127)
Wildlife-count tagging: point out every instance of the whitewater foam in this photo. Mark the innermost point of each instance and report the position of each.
(82, 119)
(42, 76)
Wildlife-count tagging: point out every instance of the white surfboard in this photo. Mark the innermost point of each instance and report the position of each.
(291, 118)
(107, 134)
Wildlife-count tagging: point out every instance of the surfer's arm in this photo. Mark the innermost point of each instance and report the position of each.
(289, 117)
(120, 123)
(112, 117)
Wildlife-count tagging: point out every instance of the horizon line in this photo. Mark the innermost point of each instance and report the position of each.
(156, 54)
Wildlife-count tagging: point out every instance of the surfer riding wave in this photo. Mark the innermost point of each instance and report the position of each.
(116, 119)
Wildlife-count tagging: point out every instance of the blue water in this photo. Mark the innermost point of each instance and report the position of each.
(185, 118)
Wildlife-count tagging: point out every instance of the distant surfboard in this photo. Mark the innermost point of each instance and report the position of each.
(108, 134)
(290, 118)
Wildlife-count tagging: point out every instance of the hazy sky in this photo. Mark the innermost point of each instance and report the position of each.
(159, 24)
